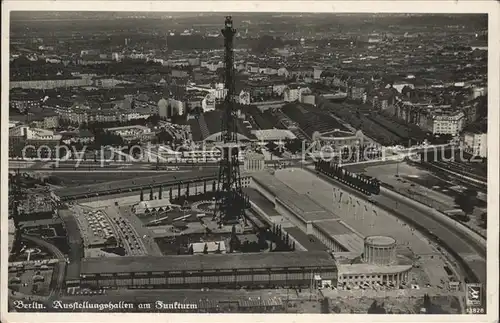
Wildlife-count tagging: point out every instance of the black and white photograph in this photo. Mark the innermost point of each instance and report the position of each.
(173, 161)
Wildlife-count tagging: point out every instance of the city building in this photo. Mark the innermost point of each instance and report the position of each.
(129, 133)
(22, 103)
(274, 135)
(291, 93)
(163, 108)
(46, 119)
(82, 136)
(209, 247)
(378, 264)
(475, 144)
(178, 106)
(449, 123)
(308, 99)
(51, 84)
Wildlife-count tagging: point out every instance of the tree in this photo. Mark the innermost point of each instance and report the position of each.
(271, 146)
(160, 193)
(262, 243)
(294, 145)
(170, 194)
(336, 309)
(427, 301)
(484, 219)
(375, 308)
(151, 194)
(265, 43)
(466, 201)
(54, 180)
(164, 137)
(325, 305)
(205, 249)
(234, 243)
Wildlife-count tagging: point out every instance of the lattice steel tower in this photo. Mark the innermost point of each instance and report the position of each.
(230, 201)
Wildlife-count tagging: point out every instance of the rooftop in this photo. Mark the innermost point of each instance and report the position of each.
(139, 127)
(301, 204)
(210, 123)
(310, 242)
(274, 134)
(357, 269)
(380, 240)
(206, 262)
(342, 234)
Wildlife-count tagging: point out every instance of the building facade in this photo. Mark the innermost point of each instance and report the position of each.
(475, 144)
(446, 124)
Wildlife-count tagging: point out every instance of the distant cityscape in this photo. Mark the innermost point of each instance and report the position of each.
(296, 163)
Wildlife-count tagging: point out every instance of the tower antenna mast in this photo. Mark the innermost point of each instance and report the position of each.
(230, 201)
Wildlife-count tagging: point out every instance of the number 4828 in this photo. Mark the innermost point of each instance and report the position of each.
(475, 310)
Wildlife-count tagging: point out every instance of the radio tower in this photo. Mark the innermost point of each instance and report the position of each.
(230, 201)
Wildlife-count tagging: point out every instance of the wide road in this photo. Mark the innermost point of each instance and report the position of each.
(466, 247)
(59, 268)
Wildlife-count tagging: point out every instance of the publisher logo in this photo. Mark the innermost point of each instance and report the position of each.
(474, 294)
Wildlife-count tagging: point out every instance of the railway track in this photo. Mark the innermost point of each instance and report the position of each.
(461, 169)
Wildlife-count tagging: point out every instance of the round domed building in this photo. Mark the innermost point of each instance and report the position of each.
(379, 250)
(379, 263)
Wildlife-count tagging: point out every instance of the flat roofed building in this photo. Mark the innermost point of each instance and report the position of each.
(338, 236)
(211, 247)
(442, 122)
(359, 274)
(217, 270)
(304, 209)
(274, 135)
(309, 216)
